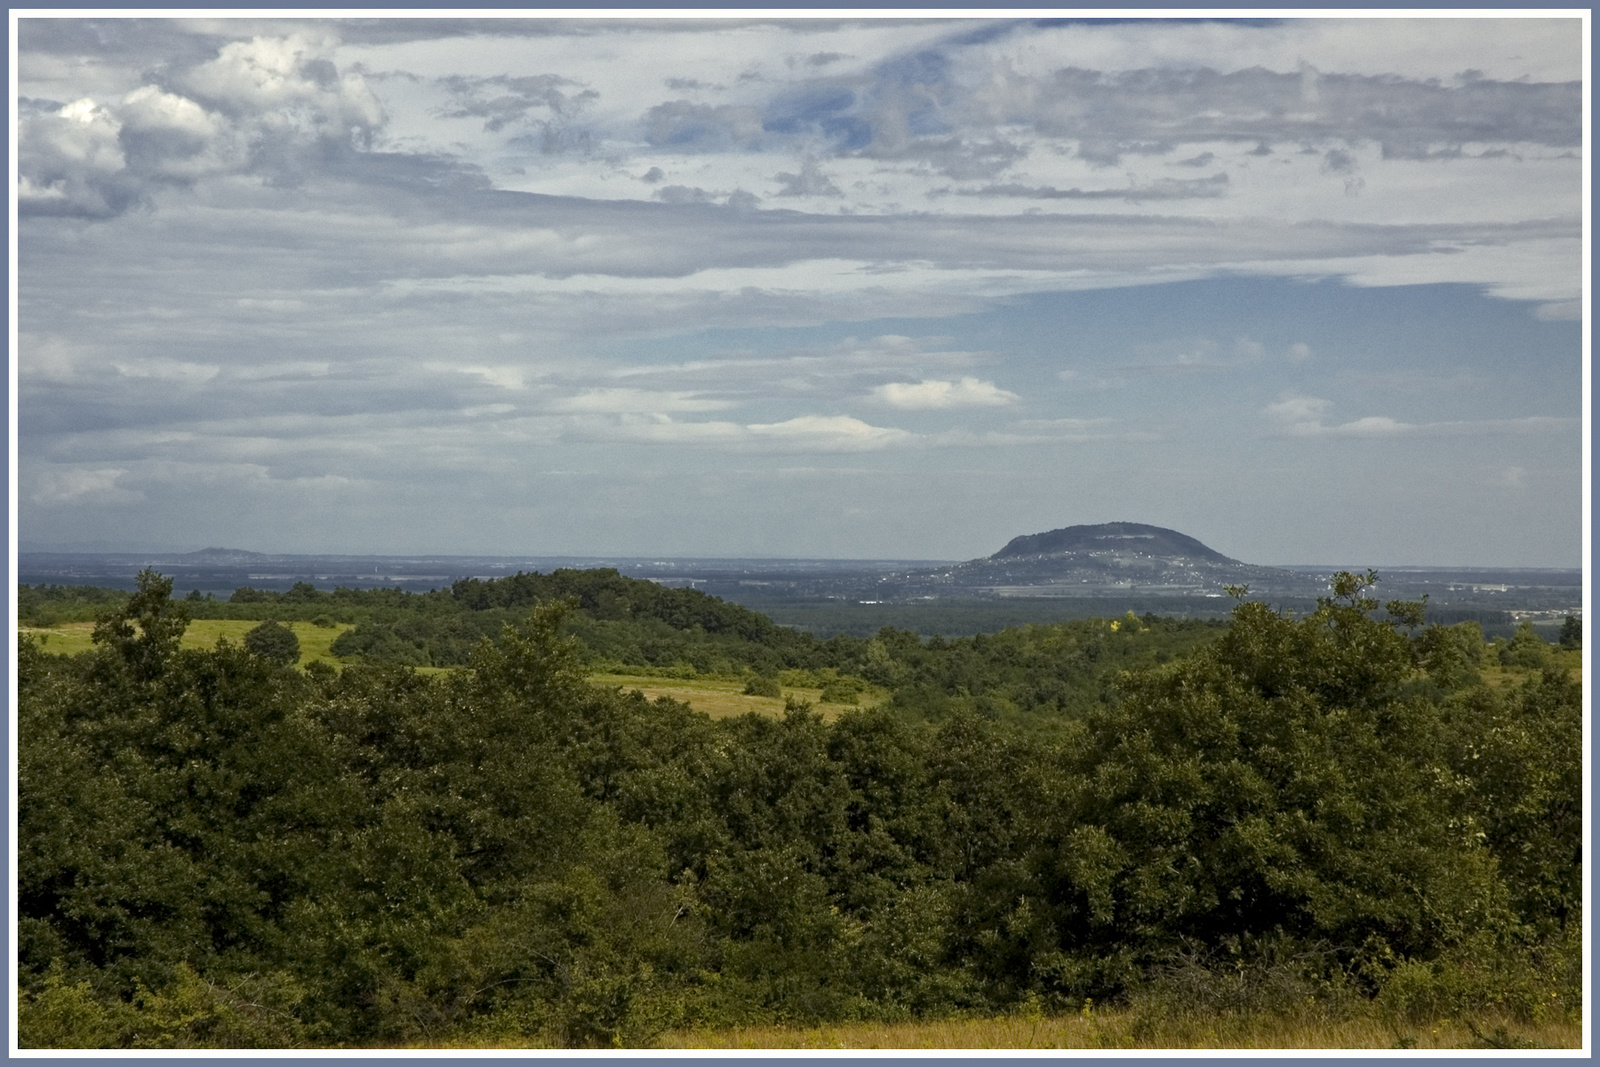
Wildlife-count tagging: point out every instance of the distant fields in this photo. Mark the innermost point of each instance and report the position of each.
(723, 698)
(71, 638)
(717, 697)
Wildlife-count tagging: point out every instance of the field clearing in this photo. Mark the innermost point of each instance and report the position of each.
(724, 698)
(1132, 1029)
(71, 638)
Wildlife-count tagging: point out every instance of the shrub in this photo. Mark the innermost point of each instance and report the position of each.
(763, 686)
(274, 642)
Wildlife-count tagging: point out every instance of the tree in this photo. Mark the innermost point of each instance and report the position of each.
(1572, 632)
(146, 630)
(1526, 649)
(274, 642)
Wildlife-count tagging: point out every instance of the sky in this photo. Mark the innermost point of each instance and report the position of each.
(1309, 290)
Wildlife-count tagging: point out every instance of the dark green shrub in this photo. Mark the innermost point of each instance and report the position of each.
(763, 686)
(274, 642)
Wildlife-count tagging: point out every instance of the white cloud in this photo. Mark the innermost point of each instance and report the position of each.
(832, 433)
(638, 401)
(290, 81)
(171, 370)
(930, 394)
(500, 377)
(805, 433)
(1302, 416)
(80, 484)
(1296, 409)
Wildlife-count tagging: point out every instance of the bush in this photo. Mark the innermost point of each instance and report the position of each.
(763, 686)
(841, 691)
(250, 1012)
(1526, 649)
(274, 642)
(1529, 982)
(1265, 976)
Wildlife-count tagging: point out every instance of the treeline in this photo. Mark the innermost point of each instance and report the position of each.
(215, 850)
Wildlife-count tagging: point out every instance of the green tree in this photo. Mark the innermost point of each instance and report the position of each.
(274, 642)
(1526, 649)
(1572, 632)
(145, 630)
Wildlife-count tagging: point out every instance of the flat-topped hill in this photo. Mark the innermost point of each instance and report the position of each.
(1119, 537)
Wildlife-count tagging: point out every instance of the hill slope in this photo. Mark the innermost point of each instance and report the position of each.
(1112, 557)
(1121, 537)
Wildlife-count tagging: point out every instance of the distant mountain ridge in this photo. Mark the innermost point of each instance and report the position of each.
(224, 553)
(1111, 536)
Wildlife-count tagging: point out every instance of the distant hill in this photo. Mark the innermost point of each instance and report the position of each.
(1111, 558)
(229, 554)
(1111, 537)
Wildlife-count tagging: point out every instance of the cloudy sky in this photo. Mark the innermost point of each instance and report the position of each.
(1308, 290)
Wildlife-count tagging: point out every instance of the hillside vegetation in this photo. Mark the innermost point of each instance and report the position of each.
(1280, 815)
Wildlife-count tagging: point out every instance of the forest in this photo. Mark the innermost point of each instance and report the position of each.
(458, 837)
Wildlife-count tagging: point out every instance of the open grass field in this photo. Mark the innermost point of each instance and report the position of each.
(1136, 1029)
(1139, 1030)
(719, 698)
(70, 638)
(723, 698)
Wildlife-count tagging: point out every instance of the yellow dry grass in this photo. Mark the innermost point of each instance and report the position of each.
(723, 698)
(1134, 1030)
(71, 638)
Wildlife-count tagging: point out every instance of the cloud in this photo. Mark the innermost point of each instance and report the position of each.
(831, 433)
(255, 106)
(803, 434)
(170, 370)
(287, 84)
(1160, 189)
(930, 394)
(689, 127)
(637, 400)
(1302, 416)
(1292, 410)
(809, 182)
(78, 484)
(500, 101)
(371, 249)
(838, 371)
(71, 163)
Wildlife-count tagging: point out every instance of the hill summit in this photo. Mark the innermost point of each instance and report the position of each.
(1109, 558)
(1118, 537)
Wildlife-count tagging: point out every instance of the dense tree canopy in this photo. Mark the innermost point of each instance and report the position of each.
(216, 849)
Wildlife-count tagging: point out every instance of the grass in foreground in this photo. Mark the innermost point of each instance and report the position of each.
(1132, 1029)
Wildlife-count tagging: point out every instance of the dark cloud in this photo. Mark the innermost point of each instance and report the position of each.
(685, 126)
(683, 194)
(501, 101)
(809, 182)
(1161, 189)
(1166, 105)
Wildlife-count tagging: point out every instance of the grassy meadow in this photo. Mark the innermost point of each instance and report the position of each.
(718, 697)
(1135, 1029)
(71, 638)
(723, 698)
